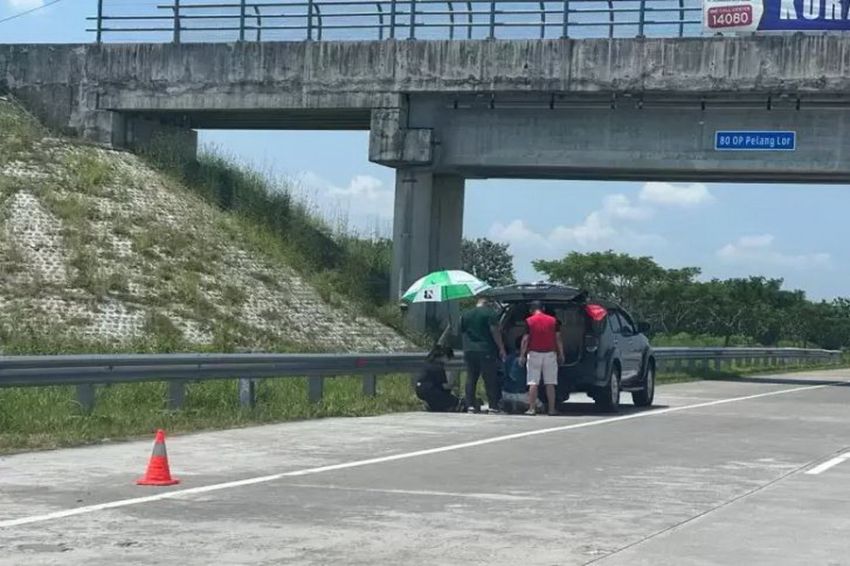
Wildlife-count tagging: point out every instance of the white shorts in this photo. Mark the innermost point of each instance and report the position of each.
(542, 365)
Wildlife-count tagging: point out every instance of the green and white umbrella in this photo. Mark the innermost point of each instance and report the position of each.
(442, 286)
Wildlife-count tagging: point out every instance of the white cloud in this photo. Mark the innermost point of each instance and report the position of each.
(759, 241)
(24, 4)
(607, 227)
(365, 204)
(682, 195)
(759, 250)
(620, 207)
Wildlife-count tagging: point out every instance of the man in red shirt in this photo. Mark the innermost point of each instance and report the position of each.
(542, 351)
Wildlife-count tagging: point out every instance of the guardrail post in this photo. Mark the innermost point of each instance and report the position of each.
(565, 31)
(86, 397)
(370, 385)
(176, 395)
(309, 19)
(247, 393)
(259, 17)
(315, 389)
(99, 20)
(176, 21)
(642, 20)
(242, 20)
(392, 18)
(412, 19)
(492, 19)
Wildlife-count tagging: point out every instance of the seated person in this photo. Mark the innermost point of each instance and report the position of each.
(514, 387)
(432, 384)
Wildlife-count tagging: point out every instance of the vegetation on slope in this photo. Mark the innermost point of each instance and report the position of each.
(95, 247)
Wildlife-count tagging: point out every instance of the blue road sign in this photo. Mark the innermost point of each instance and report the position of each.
(755, 141)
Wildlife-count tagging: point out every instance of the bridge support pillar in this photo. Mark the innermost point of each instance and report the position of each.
(427, 236)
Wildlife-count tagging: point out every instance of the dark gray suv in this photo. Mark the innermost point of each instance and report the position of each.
(605, 351)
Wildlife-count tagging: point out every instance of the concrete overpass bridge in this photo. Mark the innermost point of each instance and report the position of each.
(442, 111)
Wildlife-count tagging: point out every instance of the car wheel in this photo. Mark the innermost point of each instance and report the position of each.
(645, 396)
(608, 397)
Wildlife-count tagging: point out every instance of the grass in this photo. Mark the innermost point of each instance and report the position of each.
(345, 270)
(20, 131)
(50, 417)
(89, 172)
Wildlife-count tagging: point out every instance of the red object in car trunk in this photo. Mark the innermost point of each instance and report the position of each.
(596, 312)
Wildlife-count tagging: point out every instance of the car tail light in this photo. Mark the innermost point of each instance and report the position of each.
(596, 312)
(591, 343)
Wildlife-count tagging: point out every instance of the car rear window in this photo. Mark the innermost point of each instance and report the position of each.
(627, 326)
(616, 327)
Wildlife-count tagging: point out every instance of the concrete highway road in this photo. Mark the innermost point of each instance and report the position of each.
(752, 472)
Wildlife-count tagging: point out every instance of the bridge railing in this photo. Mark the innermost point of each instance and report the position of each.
(293, 20)
(85, 371)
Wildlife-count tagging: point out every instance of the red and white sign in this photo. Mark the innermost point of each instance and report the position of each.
(731, 15)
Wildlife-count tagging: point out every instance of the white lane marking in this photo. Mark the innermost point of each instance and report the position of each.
(485, 496)
(828, 464)
(178, 493)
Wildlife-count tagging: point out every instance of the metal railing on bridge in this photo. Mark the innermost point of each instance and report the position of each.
(85, 371)
(295, 20)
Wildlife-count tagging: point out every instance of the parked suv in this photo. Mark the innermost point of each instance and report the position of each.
(605, 351)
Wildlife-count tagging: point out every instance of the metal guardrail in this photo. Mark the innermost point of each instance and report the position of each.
(85, 371)
(295, 20)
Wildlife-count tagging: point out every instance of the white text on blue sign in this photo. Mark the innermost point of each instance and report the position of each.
(755, 141)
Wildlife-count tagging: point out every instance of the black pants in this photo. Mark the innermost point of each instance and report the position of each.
(437, 399)
(486, 365)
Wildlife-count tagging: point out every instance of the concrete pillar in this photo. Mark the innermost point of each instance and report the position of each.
(427, 236)
(139, 132)
(126, 131)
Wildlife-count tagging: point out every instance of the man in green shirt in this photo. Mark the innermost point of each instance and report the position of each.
(482, 350)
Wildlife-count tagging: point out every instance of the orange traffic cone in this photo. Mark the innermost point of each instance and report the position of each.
(158, 472)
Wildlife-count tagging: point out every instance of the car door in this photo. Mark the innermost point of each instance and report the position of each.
(619, 343)
(630, 347)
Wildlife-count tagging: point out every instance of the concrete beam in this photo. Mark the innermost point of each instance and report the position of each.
(393, 144)
(634, 141)
(327, 83)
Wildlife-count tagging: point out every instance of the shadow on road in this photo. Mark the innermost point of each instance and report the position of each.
(779, 380)
(571, 409)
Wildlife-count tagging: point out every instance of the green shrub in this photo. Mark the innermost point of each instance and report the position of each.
(19, 131)
(89, 172)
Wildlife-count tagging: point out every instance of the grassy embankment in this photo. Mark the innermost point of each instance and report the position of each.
(261, 212)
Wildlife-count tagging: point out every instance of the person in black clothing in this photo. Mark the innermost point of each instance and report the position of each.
(432, 385)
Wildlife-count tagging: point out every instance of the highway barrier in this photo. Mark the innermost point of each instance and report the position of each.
(87, 371)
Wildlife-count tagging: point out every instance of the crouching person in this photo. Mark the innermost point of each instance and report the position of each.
(433, 386)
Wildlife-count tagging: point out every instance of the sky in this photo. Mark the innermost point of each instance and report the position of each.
(795, 232)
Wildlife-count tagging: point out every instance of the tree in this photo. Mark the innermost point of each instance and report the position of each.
(489, 261)
(637, 283)
(756, 309)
